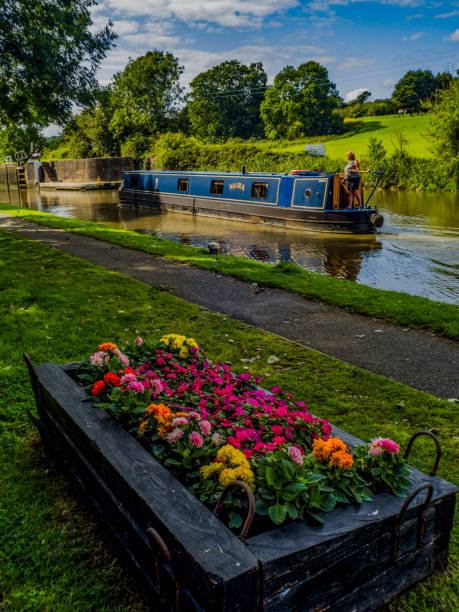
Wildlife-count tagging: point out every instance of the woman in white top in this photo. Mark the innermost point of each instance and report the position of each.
(352, 179)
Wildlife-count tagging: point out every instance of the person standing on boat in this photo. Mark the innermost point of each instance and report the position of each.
(352, 179)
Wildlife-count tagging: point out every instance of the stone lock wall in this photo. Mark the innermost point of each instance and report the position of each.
(81, 170)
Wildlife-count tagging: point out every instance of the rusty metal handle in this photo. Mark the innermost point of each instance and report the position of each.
(251, 512)
(437, 444)
(158, 544)
(421, 522)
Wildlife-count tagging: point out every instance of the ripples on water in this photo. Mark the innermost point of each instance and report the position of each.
(417, 250)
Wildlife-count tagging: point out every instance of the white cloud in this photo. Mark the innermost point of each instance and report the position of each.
(413, 36)
(351, 63)
(124, 26)
(352, 95)
(447, 15)
(388, 83)
(233, 13)
(454, 36)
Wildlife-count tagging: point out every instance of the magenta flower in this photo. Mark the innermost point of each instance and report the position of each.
(389, 445)
(122, 357)
(196, 439)
(127, 378)
(139, 341)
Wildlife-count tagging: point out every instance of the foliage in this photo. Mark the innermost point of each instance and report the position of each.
(53, 554)
(145, 96)
(267, 437)
(225, 101)
(381, 465)
(414, 88)
(363, 97)
(397, 307)
(369, 109)
(444, 123)
(301, 102)
(48, 58)
(13, 138)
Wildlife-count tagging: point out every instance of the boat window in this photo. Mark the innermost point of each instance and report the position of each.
(216, 187)
(307, 193)
(134, 180)
(155, 184)
(260, 190)
(182, 185)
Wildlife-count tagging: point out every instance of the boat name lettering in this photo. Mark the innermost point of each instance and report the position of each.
(237, 186)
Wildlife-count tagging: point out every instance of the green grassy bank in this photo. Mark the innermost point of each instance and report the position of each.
(58, 308)
(359, 132)
(395, 307)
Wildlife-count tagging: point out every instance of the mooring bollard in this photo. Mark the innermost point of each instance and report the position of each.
(213, 248)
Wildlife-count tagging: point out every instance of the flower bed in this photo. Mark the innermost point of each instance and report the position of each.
(210, 427)
(360, 557)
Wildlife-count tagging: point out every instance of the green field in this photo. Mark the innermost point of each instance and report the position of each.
(383, 128)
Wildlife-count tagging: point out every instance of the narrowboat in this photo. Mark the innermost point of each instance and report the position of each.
(301, 199)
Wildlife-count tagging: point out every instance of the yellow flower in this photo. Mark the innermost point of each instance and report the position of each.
(232, 455)
(227, 476)
(183, 352)
(209, 470)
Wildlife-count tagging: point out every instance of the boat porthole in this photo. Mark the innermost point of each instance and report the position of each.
(308, 193)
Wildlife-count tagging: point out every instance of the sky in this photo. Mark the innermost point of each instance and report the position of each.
(364, 45)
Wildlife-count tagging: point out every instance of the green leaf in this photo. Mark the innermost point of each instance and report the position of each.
(261, 507)
(235, 520)
(272, 476)
(277, 513)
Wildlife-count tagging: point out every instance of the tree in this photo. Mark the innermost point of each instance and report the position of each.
(363, 97)
(444, 124)
(413, 89)
(225, 101)
(146, 96)
(48, 59)
(301, 102)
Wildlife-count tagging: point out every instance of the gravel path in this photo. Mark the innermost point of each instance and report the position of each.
(416, 358)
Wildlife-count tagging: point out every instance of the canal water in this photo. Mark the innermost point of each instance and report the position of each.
(416, 251)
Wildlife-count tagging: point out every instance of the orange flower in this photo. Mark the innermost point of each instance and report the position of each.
(322, 450)
(141, 429)
(341, 459)
(107, 346)
(163, 417)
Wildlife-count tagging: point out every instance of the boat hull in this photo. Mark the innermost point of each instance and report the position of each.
(340, 221)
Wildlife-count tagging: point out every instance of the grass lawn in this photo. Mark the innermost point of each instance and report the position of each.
(58, 308)
(393, 306)
(383, 128)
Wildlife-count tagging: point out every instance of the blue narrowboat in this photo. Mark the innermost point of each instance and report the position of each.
(302, 199)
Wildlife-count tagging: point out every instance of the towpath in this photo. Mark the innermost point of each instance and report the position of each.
(416, 358)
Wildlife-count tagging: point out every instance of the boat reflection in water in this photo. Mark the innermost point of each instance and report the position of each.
(417, 251)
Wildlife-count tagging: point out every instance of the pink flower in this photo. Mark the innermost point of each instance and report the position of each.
(97, 359)
(138, 341)
(196, 439)
(277, 429)
(217, 439)
(179, 421)
(205, 427)
(157, 385)
(295, 455)
(247, 452)
(245, 377)
(128, 378)
(279, 440)
(174, 435)
(389, 445)
(137, 387)
(122, 357)
(194, 415)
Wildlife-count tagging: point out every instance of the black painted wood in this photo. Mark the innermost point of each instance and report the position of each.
(345, 564)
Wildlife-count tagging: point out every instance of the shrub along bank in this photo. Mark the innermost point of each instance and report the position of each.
(393, 306)
(57, 308)
(401, 170)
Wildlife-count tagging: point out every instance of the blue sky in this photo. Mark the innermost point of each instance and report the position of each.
(364, 45)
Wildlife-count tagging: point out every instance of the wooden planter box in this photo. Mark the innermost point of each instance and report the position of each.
(355, 561)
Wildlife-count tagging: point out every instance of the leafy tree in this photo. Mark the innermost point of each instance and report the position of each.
(444, 124)
(48, 59)
(301, 102)
(443, 80)
(225, 101)
(146, 95)
(363, 97)
(13, 138)
(413, 89)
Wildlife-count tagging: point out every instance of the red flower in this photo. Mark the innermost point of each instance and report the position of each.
(112, 379)
(98, 387)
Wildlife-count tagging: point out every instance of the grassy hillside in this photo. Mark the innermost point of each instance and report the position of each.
(360, 131)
